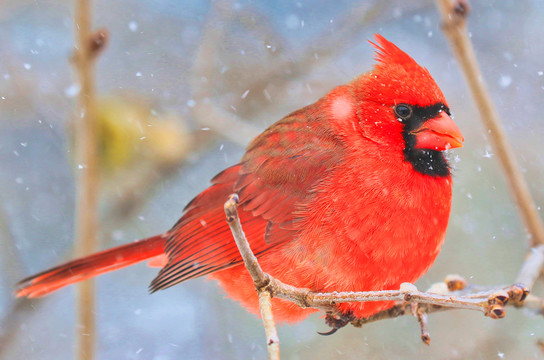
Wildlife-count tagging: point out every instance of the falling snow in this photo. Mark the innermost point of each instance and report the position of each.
(163, 43)
(292, 22)
(505, 81)
(72, 90)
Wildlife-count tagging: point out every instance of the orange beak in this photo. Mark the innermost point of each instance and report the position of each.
(439, 133)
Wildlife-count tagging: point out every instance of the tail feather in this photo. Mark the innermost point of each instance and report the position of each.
(90, 266)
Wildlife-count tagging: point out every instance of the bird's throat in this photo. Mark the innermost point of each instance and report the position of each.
(428, 162)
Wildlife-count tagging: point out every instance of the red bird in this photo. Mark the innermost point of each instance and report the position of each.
(351, 193)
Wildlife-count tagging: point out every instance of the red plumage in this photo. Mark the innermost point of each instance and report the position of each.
(351, 193)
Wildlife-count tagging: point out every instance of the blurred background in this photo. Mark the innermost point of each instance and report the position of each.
(183, 86)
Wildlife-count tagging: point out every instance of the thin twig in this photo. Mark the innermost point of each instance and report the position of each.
(454, 14)
(88, 46)
(484, 303)
(272, 338)
(422, 319)
(516, 295)
(532, 267)
(260, 278)
(490, 302)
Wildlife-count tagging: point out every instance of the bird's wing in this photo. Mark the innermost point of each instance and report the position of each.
(277, 174)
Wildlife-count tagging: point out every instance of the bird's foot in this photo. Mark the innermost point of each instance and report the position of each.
(337, 322)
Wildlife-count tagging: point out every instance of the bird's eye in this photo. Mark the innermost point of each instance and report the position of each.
(403, 111)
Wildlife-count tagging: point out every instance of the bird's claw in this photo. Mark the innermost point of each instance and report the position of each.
(336, 322)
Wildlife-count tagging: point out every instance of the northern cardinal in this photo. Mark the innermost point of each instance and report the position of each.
(350, 193)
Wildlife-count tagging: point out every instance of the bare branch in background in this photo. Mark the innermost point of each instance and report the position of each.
(226, 123)
(88, 46)
(18, 312)
(12, 270)
(205, 111)
(98, 41)
(10, 261)
(454, 14)
(287, 66)
(299, 63)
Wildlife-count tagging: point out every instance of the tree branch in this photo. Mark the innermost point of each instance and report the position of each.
(532, 267)
(454, 14)
(410, 300)
(260, 278)
(88, 47)
(422, 319)
(272, 338)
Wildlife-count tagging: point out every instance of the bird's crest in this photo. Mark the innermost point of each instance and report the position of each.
(388, 53)
(399, 77)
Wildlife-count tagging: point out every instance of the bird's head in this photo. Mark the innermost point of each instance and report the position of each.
(400, 105)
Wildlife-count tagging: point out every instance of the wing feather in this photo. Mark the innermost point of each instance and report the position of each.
(276, 176)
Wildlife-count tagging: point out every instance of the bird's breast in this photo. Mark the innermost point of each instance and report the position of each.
(374, 228)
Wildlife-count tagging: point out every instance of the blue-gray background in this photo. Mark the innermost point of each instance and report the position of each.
(178, 55)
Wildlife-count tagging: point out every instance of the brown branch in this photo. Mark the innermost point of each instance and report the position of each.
(515, 295)
(454, 284)
(88, 47)
(260, 278)
(490, 302)
(257, 274)
(422, 319)
(486, 303)
(532, 267)
(272, 338)
(263, 281)
(97, 42)
(454, 14)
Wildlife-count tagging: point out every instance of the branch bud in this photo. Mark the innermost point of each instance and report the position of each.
(499, 297)
(455, 282)
(518, 292)
(496, 311)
